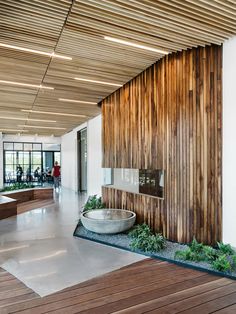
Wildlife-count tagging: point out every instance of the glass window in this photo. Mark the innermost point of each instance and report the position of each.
(8, 146)
(18, 146)
(37, 146)
(28, 146)
(20, 158)
(36, 158)
(10, 158)
(57, 157)
(30, 157)
(51, 147)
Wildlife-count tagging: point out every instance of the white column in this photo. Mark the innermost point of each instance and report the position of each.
(229, 142)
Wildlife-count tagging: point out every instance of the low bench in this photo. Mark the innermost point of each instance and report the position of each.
(8, 207)
(10, 199)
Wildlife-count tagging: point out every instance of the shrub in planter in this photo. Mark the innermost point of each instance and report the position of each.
(140, 230)
(221, 258)
(17, 186)
(222, 263)
(225, 248)
(143, 239)
(93, 202)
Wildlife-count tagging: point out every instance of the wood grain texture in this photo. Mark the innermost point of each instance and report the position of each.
(150, 286)
(169, 117)
(8, 207)
(16, 202)
(77, 29)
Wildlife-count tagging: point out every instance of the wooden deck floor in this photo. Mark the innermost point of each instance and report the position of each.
(150, 286)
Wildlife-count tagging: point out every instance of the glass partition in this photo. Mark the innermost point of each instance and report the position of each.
(143, 181)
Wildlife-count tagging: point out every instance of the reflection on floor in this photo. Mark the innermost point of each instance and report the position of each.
(149, 286)
(38, 248)
(34, 204)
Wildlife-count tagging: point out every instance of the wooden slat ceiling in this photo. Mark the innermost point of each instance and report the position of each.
(77, 29)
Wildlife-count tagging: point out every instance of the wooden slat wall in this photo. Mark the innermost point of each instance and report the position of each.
(169, 117)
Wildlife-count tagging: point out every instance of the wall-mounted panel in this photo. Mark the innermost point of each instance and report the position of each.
(169, 117)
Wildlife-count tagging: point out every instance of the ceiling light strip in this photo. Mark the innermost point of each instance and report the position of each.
(13, 130)
(97, 82)
(25, 84)
(40, 127)
(132, 44)
(48, 54)
(23, 119)
(77, 101)
(55, 113)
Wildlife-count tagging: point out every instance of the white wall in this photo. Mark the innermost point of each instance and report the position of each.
(229, 141)
(69, 158)
(69, 162)
(32, 138)
(95, 172)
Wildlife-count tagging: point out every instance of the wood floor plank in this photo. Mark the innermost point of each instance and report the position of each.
(213, 305)
(149, 286)
(57, 301)
(193, 301)
(227, 310)
(135, 304)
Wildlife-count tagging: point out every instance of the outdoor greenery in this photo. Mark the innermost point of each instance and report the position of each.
(143, 239)
(221, 258)
(17, 186)
(93, 202)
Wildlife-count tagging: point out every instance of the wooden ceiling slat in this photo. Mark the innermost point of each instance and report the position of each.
(119, 16)
(77, 29)
(180, 17)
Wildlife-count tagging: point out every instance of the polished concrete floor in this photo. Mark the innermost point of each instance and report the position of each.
(38, 248)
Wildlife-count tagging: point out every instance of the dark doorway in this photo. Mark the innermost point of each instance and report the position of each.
(82, 160)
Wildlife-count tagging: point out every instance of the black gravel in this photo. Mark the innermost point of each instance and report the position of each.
(122, 241)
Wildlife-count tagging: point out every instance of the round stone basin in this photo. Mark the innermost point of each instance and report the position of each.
(108, 221)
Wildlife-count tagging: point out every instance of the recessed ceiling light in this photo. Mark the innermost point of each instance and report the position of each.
(40, 127)
(128, 43)
(77, 101)
(55, 113)
(26, 85)
(49, 54)
(13, 130)
(97, 82)
(23, 119)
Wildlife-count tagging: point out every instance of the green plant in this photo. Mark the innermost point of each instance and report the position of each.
(225, 248)
(222, 264)
(210, 254)
(196, 247)
(93, 202)
(189, 255)
(143, 239)
(222, 258)
(140, 229)
(233, 258)
(195, 252)
(17, 186)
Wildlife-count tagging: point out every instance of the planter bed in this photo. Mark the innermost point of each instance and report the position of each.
(122, 241)
(10, 199)
(25, 195)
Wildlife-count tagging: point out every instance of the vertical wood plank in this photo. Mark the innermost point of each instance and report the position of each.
(170, 117)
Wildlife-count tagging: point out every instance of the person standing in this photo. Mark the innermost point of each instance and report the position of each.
(56, 172)
(19, 173)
